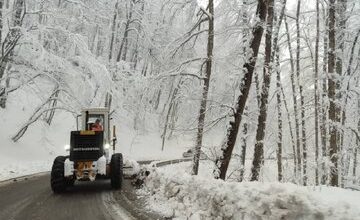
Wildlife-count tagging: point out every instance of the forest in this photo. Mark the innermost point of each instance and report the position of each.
(275, 80)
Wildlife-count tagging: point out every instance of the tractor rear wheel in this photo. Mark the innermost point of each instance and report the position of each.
(70, 182)
(58, 180)
(116, 169)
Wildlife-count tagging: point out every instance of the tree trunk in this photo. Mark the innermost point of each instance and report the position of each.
(279, 109)
(243, 149)
(135, 55)
(208, 70)
(323, 125)
(341, 26)
(8, 46)
(302, 109)
(316, 96)
(244, 137)
(52, 106)
(355, 161)
(258, 90)
(124, 42)
(290, 129)
(1, 20)
(113, 27)
(157, 100)
(258, 159)
(348, 74)
(223, 162)
(293, 88)
(2, 67)
(17, 19)
(333, 116)
(275, 56)
(356, 148)
(168, 114)
(95, 40)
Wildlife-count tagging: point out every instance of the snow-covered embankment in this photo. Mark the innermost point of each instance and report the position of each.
(177, 194)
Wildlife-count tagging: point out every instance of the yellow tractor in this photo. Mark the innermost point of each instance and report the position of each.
(89, 153)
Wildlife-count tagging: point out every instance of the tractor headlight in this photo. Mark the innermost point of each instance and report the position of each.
(107, 146)
(67, 147)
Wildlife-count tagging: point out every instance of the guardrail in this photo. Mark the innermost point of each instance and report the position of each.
(169, 162)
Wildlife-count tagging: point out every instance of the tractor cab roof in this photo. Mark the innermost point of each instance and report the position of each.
(99, 110)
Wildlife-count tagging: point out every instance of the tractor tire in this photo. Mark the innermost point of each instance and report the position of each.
(70, 182)
(58, 180)
(116, 171)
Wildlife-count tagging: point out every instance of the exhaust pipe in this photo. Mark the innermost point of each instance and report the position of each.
(86, 120)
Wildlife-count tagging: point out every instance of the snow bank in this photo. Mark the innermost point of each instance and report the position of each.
(16, 169)
(177, 194)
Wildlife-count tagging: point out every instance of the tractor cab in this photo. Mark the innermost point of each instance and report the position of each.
(89, 156)
(90, 116)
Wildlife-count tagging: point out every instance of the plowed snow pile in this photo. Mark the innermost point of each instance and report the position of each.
(179, 195)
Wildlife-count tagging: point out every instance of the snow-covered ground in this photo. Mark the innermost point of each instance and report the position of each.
(172, 191)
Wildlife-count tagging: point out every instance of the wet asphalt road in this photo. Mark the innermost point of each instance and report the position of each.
(32, 198)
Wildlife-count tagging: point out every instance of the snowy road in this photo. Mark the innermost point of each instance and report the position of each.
(32, 198)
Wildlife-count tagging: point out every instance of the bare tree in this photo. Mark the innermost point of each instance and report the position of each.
(125, 39)
(245, 127)
(275, 57)
(222, 163)
(113, 31)
(172, 106)
(341, 26)
(290, 130)
(208, 70)
(135, 56)
(52, 105)
(243, 148)
(323, 124)
(39, 111)
(7, 51)
(302, 109)
(316, 95)
(333, 114)
(355, 150)
(294, 94)
(258, 159)
(280, 124)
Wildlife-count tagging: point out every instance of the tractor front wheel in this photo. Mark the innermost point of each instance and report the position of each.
(116, 171)
(58, 180)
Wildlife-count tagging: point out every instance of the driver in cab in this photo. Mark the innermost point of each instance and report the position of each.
(97, 126)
